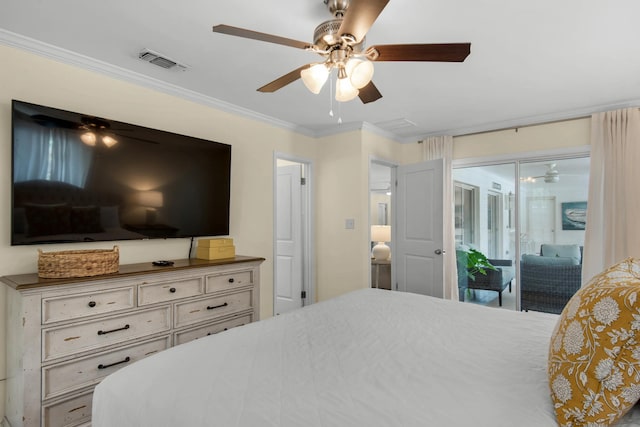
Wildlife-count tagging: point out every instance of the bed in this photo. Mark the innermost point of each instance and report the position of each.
(58, 212)
(367, 358)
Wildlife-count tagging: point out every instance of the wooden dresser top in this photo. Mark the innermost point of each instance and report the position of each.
(31, 280)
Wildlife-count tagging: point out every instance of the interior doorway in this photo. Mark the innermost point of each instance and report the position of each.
(381, 177)
(292, 282)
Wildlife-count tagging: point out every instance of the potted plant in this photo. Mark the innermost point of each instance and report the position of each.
(477, 262)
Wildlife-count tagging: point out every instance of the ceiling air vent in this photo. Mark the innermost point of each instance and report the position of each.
(396, 125)
(160, 60)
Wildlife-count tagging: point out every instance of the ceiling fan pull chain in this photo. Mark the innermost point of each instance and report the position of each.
(330, 95)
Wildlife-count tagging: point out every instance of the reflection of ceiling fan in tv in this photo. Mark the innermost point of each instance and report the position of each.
(93, 129)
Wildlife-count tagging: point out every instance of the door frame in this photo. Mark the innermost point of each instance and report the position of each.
(475, 208)
(498, 224)
(308, 220)
(391, 211)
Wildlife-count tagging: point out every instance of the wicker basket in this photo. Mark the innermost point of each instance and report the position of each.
(83, 263)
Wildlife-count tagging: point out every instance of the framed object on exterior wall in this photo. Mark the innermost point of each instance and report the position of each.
(574, 215)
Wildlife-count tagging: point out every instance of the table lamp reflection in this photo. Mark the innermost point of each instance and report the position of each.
(381, 234)
(151, 200)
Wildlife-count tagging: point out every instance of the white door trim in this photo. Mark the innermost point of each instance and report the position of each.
(560, 153)
(308, 253)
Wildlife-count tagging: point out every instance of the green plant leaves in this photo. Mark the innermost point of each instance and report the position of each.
(477, 262)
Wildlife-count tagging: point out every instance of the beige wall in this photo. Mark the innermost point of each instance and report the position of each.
(35, 79)
(338, 198)
(343, 193)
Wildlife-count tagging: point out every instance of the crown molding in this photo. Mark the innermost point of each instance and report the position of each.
(360, 126)
(58, 54)
(574, 114)
(55, 53)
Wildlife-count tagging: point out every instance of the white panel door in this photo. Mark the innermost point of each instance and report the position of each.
(288, 286)
(541, 221)
(418, 239)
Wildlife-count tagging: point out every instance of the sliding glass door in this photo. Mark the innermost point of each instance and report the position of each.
(526, 218)
(553, 201)
(485, 230)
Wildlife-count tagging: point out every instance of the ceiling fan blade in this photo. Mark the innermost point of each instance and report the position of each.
(50, 121)
(248, 34)
(444, 52)
(360, 16)
(281, 82)
(369, 93)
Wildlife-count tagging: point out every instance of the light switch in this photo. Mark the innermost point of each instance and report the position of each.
(350, 223)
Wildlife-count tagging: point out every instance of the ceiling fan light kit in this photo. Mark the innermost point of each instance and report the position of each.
(95, 128)
(340, 41)
(90, 139)
(345, 91)
(109, 141)
(360, 72)
(314, 77)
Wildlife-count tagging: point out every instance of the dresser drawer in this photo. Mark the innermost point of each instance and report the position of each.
(202, 331)
(209, 308)
(78, 373)
(225, 281)
(79, 337)
(152, 293)
(71, 412)
(76, 306)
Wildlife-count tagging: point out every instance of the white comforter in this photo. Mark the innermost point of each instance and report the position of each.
(368, 358)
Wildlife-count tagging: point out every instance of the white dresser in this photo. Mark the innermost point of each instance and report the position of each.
(65, 335)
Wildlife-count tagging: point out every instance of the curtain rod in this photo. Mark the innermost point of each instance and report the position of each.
(515, 128)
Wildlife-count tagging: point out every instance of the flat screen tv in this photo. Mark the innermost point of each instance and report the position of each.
(80, 178)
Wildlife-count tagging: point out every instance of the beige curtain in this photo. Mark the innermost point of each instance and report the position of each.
(441, 147)
(613, 209)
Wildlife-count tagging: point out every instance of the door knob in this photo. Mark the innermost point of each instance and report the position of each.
(439, 251)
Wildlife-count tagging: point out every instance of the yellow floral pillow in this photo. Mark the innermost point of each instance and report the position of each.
(594, 355)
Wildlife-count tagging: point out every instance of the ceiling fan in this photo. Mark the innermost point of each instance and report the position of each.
(341, 43)
(93, 128)
(550, 176)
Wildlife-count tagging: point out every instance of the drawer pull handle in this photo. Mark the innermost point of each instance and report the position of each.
(92, 304)
(172, 290)
(231, 280)
(113, 330)
(213, 307)
(126, 359)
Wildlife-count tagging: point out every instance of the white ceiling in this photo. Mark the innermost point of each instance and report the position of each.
(530, 62)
